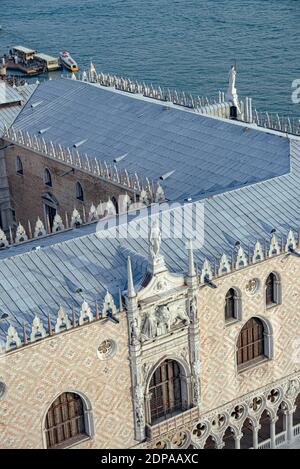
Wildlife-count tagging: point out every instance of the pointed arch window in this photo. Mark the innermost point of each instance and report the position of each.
(79, 192)
(166, 391)
(47, 178)
(233, 305)
(68, 421)
(19, 166)
(254, 343)
(273, 290)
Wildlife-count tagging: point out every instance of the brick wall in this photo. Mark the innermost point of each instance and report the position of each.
(26, 190)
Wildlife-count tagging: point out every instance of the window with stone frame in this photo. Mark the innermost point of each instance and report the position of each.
(233, 305)
(19, 166)
(251, 347)
(79, 192)
(165, 391)
(273, 290)
(65, 421)
(47, 178)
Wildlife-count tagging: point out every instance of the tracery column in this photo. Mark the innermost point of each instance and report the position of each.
(273, 432)
(289, 425)
(255, 436)
(237, 440)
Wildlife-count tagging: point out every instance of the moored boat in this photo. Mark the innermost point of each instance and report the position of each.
(68, 62)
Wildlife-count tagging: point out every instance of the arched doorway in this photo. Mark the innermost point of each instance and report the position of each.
(168, 392)
(50, 208)
(246, 441)
(66, 421)
(210, 443)
(228, 438)
(264, 433)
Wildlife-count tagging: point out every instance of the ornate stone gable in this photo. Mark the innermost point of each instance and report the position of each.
(162, 322)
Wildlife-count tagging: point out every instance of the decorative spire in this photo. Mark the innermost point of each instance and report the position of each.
(191, 272)
(3, 239)
(130, 287)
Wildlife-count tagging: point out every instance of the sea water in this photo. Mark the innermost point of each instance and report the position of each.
(184, 44)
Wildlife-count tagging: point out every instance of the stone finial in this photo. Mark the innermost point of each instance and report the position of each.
(84, 76)
(76, 218)
(93, 215)
(124, 203)
(3, 240)
(93, 73)
(73, 76)
(110, 209)
(57, 224)
(86, 314)
(21, 234)
(144, 197)
(108, 305)
(274, 246)
(258, 254)
(100, 210)
(191, 271)
(37, 331)
(159, 194)
(241, 258)
(206, 272)
(290, 242)
(62, 321)
(130, 287)
(224, 265)
(39, 229)
(12, 338)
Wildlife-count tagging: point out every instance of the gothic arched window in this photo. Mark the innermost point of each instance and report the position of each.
(232, 305)
(47, 178)
(254, 343)
(79, 192)
(273, 290)
(166, 391)
(19, 166)
(65, 421)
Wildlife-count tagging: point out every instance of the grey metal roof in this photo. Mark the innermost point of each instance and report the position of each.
(9, 114)
(39, 281)
(208, 155)
(8, 94)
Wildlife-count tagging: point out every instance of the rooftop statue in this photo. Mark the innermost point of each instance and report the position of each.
(232, 95)
(155, 240)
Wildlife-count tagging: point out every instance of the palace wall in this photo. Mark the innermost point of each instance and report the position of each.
(36, 374)
(220, 381)
(27, 190)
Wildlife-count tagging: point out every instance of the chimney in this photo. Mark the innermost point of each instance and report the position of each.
(3, 70)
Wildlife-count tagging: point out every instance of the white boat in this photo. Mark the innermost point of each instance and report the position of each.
(68, 62)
